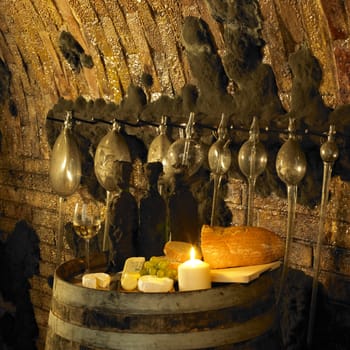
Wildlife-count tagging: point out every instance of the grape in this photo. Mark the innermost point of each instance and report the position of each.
(152, 271)
(143, 271)
(160, 273)
(163, 265)
(159, 266)
(156, 259)
(172, 274)
(147, 265)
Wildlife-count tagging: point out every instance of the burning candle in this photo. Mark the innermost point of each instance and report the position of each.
(194, 274)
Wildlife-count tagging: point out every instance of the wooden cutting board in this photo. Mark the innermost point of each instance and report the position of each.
(243, 274)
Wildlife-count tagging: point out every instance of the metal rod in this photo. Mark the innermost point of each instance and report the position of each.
(329, 154)
(217, 182)
(292, 200)
(142, 122)
(60, 232)
(250, 201)
(327, 170)
(87, 255)
(105, 244)
(251, 185)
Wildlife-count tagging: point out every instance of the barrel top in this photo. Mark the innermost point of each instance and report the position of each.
(67, 290)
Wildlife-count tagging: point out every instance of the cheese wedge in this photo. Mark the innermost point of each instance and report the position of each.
(96, 280)
(131, 272)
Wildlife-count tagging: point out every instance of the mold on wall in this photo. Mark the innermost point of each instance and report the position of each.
(74, 53)
(254, 93)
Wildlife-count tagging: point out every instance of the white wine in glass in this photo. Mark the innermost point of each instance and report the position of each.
(86, 223)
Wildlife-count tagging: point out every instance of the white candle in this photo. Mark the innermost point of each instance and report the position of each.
(194, 274)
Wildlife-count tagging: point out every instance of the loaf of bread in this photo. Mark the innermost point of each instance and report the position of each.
(179, 251)
(234, 246)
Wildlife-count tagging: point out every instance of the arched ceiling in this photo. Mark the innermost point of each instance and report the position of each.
(128, 38)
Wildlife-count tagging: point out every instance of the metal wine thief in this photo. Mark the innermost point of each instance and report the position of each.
(111, 149)
(252, 160)
(64, 172)
(291, 168)
(185, 155)
(219, 158)
(65, 162)
(158, 148)
(329, 153)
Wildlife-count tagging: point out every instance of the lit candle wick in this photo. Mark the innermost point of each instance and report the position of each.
(192, 253)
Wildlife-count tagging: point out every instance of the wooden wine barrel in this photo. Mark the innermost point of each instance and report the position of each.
(227, 316)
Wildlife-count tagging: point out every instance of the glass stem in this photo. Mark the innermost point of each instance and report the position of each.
(327, 171)
(105, 244)
(250, 200)
(217, 182)
(251, 184)
(60, 232)
(292, 200)
(87, 255)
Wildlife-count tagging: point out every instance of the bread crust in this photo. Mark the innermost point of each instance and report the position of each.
(234, 246)
(180, 251)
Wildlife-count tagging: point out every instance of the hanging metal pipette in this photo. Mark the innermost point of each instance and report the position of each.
(111, 149)
(252, 160)
(291, 168)
(64, 173)
(188, 136)
(159, 146)
(329, 153)
(185, 156)
(219, 158)
(158, 149)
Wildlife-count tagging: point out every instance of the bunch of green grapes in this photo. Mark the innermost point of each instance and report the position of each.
(160, 267)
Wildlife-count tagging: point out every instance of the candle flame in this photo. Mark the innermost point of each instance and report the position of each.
(192, 253)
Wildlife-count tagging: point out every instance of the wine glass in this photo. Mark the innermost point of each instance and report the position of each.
(87, 223)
